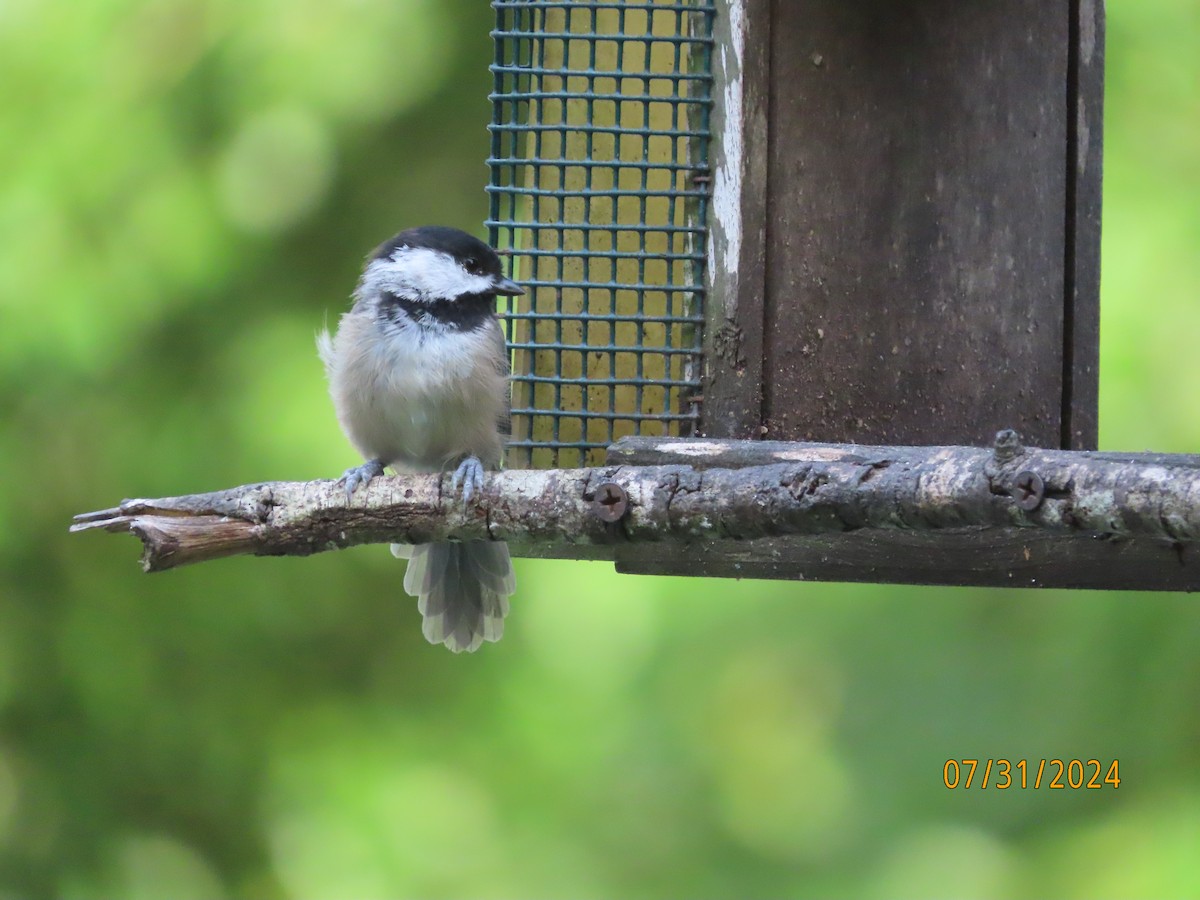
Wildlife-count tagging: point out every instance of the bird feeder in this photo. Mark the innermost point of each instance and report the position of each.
(816, 221)
(813, 220)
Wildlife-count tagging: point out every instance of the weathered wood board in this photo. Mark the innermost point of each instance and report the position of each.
(927, 267)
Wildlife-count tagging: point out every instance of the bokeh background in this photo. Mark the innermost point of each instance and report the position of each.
(187, 188)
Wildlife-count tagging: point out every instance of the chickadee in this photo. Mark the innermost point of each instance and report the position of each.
(419, 378)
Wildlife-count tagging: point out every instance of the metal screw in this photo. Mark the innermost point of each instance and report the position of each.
(1028, 490)
(611, 502)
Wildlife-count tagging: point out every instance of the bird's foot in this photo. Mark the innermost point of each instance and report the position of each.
(357, 475)
(469, 475)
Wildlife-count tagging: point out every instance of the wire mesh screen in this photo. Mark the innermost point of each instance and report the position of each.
(599, 190)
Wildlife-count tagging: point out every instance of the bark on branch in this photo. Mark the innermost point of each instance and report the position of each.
(706, 490)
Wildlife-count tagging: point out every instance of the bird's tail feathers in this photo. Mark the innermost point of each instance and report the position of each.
(462, 590)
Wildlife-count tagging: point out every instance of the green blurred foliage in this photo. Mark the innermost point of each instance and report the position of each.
(186, 190)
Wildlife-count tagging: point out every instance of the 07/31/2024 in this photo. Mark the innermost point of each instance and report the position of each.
(1055, 774)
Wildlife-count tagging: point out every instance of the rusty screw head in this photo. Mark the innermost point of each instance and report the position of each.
(1028, 490)
(611, 502)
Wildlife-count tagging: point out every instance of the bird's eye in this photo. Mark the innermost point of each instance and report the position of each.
(472, 264)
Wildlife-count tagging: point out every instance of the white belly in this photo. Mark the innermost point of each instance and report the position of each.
(417, 405)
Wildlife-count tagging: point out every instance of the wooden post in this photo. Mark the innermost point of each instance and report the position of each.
(906, 245)
(737, 235)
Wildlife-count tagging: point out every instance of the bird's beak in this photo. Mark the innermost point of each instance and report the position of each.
(507, 287)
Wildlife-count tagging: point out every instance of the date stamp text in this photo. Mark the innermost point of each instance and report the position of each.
(1052, 774)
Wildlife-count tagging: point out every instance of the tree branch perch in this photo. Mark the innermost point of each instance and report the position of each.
(686, 491)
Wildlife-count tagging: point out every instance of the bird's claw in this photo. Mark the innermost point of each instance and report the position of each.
(363, 474)
(469, 475)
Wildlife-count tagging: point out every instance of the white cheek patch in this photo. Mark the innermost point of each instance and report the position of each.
(424, 274)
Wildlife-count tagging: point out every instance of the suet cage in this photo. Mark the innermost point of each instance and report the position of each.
(599, 190)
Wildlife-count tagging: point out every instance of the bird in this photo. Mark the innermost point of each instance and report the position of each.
(418, 375)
